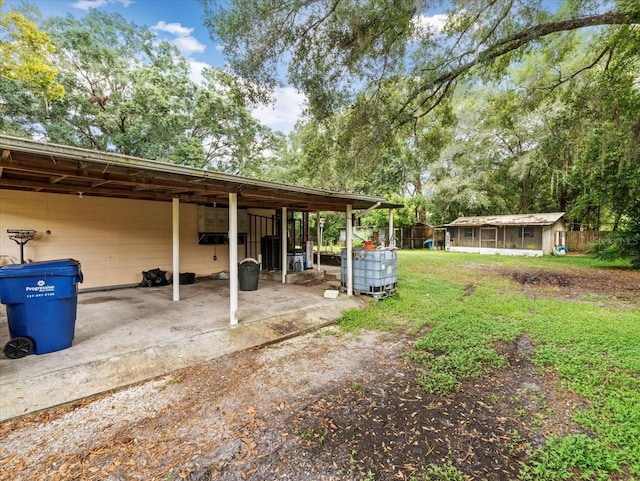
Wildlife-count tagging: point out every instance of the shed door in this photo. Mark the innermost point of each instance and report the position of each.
(489, 237)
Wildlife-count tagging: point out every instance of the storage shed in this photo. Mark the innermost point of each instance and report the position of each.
(521, 234)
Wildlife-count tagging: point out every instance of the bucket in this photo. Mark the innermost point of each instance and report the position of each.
(187, 277)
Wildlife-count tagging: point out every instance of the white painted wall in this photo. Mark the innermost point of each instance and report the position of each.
(503, 252)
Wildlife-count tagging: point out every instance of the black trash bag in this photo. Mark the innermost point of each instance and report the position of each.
(154, 277)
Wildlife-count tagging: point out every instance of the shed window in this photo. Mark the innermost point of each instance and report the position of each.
(468, 231)
(526, 231)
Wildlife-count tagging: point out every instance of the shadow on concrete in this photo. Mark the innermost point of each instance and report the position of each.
(129, 335)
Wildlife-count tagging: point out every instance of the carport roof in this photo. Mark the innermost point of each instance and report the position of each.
(45, 167)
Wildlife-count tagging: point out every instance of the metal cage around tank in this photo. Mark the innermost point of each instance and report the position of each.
(375, 272)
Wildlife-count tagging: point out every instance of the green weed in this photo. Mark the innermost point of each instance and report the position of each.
(309, 434)
(446, 472)
(357, 387)
(572, 457)
(594, 346)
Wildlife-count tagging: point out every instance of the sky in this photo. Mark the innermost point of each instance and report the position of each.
(180, 22)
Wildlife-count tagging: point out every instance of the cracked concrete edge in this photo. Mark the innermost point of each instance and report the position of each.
(118, 372)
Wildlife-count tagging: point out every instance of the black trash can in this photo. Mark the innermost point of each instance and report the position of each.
(248, 273)
(41, 300)
(187, 278)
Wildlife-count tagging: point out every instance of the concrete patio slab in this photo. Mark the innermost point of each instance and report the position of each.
(129, 335)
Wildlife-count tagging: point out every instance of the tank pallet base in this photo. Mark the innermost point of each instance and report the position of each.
(376, 293)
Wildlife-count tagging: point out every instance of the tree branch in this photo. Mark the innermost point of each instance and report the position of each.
(520, 39)
(562, 80)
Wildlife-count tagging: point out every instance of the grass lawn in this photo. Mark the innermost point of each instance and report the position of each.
(464, 308)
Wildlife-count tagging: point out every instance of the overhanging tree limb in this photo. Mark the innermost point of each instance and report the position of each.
(520, 39)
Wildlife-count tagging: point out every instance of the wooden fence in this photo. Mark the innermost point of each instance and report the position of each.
(414, 237)
(579, 240)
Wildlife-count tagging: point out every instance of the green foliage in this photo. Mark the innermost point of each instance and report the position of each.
(505, 109)
(447, 472)
(25, 56)
(413, 211)
(572, 457)
(127, 92)
(336, 51)
(469, 318)
(625, 243)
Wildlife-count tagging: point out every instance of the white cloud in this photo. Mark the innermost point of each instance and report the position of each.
(87, 4)
(186, 43)
(189, 45)
(285, 112)
(430, 25)
(175, 28)
(196, 71)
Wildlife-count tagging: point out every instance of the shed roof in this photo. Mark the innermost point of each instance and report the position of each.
(507, 220)
(31, 165)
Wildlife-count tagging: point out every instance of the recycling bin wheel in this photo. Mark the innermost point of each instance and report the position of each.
(18, 347)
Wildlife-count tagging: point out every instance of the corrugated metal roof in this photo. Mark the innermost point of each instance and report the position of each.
(516, 219)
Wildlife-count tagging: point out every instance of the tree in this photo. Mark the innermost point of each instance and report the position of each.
(127, 92)
(25, 54)
(27, 74)
(380, 78)
(352, 52)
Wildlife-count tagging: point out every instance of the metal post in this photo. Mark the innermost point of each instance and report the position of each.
(176, 248)
(233, 258)
(283, 246)
(392, 237)
(319, 222)
(349, 251)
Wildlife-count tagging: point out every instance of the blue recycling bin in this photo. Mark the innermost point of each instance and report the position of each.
(41, 300)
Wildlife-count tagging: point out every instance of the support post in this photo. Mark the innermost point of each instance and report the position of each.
(233, 258)
(392, 237)
(283, 246)
(308, 248)
(176, 247)
(319, 237)
(349, 251)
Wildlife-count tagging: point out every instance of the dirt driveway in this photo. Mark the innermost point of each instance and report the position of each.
(324, 406)
(319, 407)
